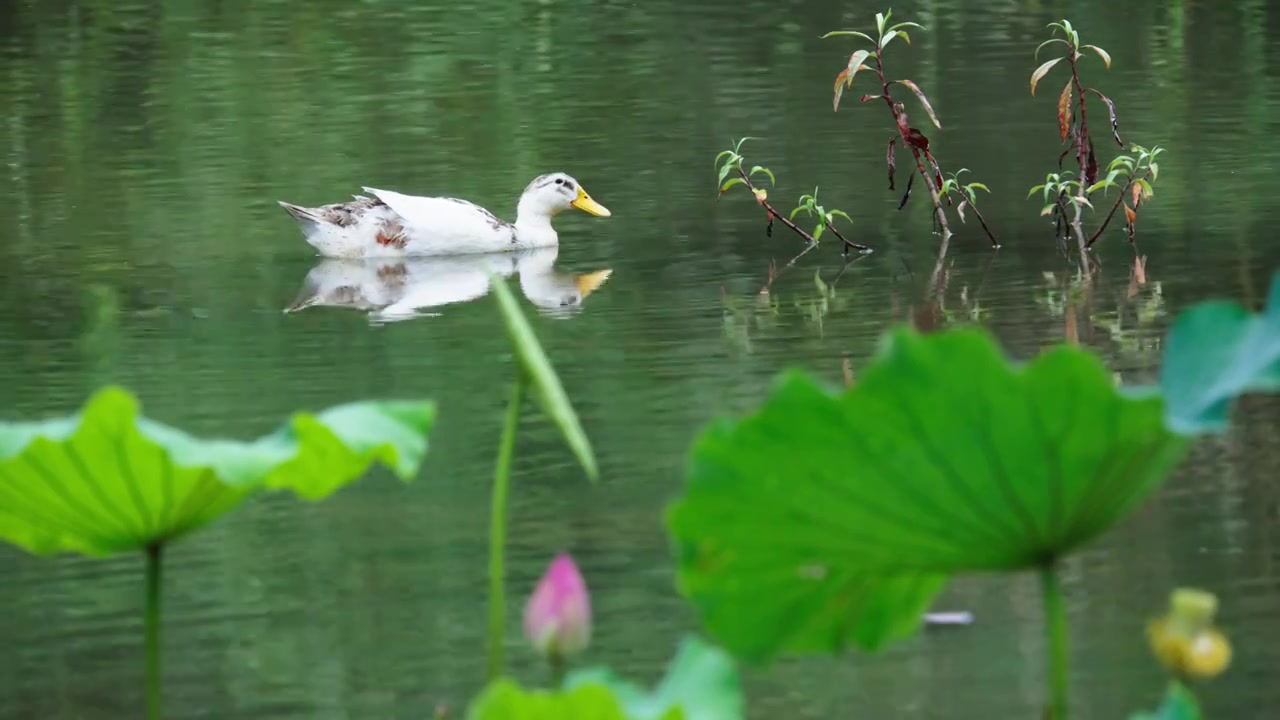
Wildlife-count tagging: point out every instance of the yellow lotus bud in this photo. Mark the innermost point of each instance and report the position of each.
(1184, 639)
(1193, 607)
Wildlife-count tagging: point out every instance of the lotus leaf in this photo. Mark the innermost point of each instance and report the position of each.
(106, 479)
(829, 517)
(701, 683)
(1217, 350)
(503, 699)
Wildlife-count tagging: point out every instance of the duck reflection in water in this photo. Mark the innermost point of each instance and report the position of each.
(392, 289)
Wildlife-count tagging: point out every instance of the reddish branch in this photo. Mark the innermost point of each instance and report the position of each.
(918, 143)
(1128, 188)
(1087, 161)
(1084, 148)
(986, 229)
(773, 213)
(847, 242)
(911, 140)
(1061, 217)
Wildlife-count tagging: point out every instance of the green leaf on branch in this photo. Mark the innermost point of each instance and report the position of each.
(731, 182)
(724, 171)
(1048, 42)
(923, 100)
(1041, 71)
(918, 26)
(845, 78)
(853, 33)
(1106, 58)
(765, 170)
(1124, 160)
(889, 36)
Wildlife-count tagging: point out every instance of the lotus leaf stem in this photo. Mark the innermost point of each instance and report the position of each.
(498, 527)
(558, 667)
(1055, 619)
(151, 622)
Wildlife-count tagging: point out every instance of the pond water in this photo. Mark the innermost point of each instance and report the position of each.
(145, 145)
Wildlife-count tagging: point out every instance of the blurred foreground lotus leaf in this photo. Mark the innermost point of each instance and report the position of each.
(701, 683)
(1178, 704)
(834, 517)
(503, 699)
(1217, 350)
(107, 480)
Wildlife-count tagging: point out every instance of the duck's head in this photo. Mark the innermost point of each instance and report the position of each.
(556, 192)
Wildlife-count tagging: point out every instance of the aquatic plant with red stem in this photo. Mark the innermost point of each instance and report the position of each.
(730, 162)
(1073, 125)
(911, 137)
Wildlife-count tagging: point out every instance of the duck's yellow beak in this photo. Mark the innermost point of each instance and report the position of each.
(586, 204)
(588, 282)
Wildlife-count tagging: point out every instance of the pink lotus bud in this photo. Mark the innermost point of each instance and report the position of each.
(557, 620)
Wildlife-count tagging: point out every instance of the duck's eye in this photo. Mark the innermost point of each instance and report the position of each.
(559, 181)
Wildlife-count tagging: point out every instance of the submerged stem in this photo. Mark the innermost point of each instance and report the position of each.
(498, 528)
(847, 242)
(557, 663)
(151, 629)
(1077, 227)
(995, 245)
(1055, 619)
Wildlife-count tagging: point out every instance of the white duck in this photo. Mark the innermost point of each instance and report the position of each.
(391, 224)
(391, 289)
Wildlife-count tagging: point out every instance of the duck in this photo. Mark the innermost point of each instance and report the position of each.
(389, 290)
(389, 224)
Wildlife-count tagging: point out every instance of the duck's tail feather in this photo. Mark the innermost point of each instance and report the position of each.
(306, 216)
(302, 303)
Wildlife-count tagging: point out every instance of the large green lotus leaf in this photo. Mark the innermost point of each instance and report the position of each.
(503, 699)
(313, 455)
(701, 684)
(107, 479)
(546, 385)
(828, 517)
(1215, 351)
